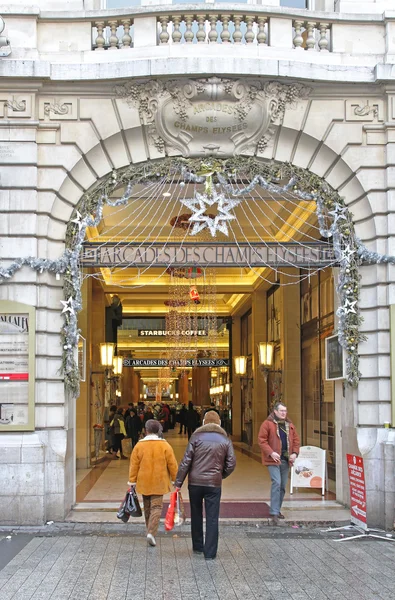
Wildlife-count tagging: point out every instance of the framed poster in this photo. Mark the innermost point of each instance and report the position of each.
(309, 469)
(335, 359)
(17, 366)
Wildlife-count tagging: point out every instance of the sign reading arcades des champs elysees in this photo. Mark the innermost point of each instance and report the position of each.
(17, 360)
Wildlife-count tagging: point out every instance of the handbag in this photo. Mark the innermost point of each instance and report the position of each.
(133, 505)
(130, 506)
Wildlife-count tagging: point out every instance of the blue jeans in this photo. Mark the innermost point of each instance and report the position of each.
(279, 477)
(211, 497)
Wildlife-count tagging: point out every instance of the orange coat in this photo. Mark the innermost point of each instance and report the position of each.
(269, 440)
(152, 466)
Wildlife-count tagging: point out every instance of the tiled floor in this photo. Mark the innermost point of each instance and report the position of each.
(251, 564)
(103, 487)
(250, 480)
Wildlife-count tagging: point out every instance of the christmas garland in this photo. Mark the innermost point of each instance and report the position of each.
(334, 219)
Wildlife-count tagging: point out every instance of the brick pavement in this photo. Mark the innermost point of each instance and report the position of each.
(115, 563)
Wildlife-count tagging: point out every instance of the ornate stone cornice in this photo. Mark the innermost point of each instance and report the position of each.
(211, 116)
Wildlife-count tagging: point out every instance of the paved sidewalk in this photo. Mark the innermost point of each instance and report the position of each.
(71, 562)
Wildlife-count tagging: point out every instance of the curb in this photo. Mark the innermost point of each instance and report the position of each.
(130, 528)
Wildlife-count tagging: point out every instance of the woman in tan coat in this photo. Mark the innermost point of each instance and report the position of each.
(153, 467)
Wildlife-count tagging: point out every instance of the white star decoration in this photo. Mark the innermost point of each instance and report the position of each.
(78, 220)
(67, 306)
(349, 307)
(347, 253)
(338, 213)
(199, 205)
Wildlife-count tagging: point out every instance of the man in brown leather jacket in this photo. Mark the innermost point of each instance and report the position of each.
(208, 459)
(280, 444)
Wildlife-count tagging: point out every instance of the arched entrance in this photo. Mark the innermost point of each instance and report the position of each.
(112, 133)
(297, 245)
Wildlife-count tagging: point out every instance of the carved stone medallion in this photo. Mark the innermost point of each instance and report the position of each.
(214, 116)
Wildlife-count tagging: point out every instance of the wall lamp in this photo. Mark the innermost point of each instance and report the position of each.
(117, 364)
(240, 365)
(107, 354)
(265, 359)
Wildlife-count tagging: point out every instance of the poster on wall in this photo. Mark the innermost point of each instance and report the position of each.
(309, 469)
(356, 477)
(16, 366)
(335, 359)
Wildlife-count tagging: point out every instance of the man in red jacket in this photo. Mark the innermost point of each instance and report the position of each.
(280, 444)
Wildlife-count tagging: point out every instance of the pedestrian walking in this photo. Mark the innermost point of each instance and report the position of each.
(153, 467)
(119, 432)
(208, 459)
(280, 444)
(109, 433)
(192, 419)
(182, 418)
(134, 427)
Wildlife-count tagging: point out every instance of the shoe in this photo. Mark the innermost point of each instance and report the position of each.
(151, 539)
(198, 551)
(209, 557)
(280, 516)
(274, 520)
(124, 457)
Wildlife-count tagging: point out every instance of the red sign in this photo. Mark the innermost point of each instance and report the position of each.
(356, 476)
(14, 376)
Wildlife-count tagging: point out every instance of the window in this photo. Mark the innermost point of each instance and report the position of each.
(121, 3)
(294, 3)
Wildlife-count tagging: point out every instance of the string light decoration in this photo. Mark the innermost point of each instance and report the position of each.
(279, 180)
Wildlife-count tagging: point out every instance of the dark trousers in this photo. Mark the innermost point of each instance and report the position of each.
(212, 498)
(181, 427)
(190, 431)
(117, 442)
(134, 439)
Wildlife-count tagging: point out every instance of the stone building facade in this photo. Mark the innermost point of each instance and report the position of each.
(64, 125)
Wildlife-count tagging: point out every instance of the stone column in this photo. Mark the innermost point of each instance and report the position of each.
(136, 387)
(259, 390)
(82, 408)
(127, 384)
(290, 349)
(183, 389)
(236, 388)
(97, 336)
(201, 386)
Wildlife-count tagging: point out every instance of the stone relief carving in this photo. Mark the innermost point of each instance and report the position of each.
(363, 111)
(63, 108)
(16, 106)
(56, 108)
(367, 110)
(216, 116)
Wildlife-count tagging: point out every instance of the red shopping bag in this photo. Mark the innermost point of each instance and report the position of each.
(169, 519)
(175, 513)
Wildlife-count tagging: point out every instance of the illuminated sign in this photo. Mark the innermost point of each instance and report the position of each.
(163, 362)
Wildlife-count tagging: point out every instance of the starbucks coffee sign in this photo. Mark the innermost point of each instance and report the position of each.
(213, 116)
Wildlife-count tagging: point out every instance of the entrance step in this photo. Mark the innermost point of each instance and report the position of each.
(301, 513)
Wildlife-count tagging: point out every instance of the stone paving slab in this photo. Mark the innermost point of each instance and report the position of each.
(266, 563)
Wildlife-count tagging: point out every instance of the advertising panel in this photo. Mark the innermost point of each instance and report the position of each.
(17, 328)
(309, 469)
(356, 476)
(335, 359)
